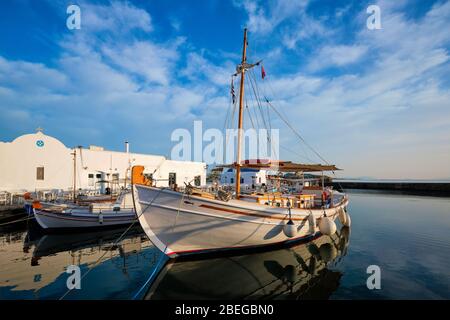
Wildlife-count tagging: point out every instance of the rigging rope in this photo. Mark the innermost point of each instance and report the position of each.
(301, 138)
(268, 128)
(285, 117)
(249, 114)
(295, 132)
(268, 83)
(230, 120)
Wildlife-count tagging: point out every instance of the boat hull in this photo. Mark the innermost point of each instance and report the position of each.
(49, 220)
(180, 225)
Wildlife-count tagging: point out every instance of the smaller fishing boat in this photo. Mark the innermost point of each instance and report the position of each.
(52, 217)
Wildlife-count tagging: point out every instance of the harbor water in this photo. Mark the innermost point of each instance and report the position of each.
(406, 236)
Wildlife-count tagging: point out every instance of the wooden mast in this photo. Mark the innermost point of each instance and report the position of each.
(241, 115)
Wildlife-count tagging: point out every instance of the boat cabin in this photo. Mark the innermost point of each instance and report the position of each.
(250, 178)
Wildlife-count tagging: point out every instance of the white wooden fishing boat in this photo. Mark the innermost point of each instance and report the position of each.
(182, 222)
(52, 216)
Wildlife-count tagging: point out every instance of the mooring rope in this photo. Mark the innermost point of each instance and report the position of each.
(15, 221)
(152, 275)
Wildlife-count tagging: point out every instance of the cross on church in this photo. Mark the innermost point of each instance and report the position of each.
(39, 129)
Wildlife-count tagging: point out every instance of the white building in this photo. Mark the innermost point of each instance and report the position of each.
(249, 176)
(40, 162)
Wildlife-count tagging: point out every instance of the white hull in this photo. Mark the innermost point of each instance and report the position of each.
(82, 219)
(181, 225)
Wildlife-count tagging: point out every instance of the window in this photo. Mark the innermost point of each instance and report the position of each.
(259, 179)
(115, 177)
(198, 180)
(91, 179)
(40, 173)
(242, 180)
(98, 176)
(172, 178)
(231, 180)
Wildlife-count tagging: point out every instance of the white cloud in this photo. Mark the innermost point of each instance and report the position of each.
(305, 28)
(117, 17)
(81, 70)
(268, 18)
(30, 77)
(183, 100)
(199, 67)
(381, 116)
(388, 113)
(101, 81)
(151, 61)
(265, 16)
(337, 55)
(175, 23)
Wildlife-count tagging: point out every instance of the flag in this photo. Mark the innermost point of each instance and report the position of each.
(263, 72)
(233, 96)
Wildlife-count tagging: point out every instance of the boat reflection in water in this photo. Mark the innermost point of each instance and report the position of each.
(95, 241)
(33, 265)
(299, 272)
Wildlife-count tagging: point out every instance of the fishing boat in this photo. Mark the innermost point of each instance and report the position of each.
(52, 217)
(83, 211)
(191, 221)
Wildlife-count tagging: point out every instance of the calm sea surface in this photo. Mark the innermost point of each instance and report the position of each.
(408, 237)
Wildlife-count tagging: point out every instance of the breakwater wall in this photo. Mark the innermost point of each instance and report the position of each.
(428, 188)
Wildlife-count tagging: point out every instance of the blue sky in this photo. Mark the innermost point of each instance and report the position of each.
(375, 102)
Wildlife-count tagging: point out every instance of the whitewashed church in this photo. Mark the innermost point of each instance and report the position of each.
(40, 162)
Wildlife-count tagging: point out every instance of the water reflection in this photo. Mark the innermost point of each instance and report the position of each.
(301, 272)
(407, 236)
(33, 264)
